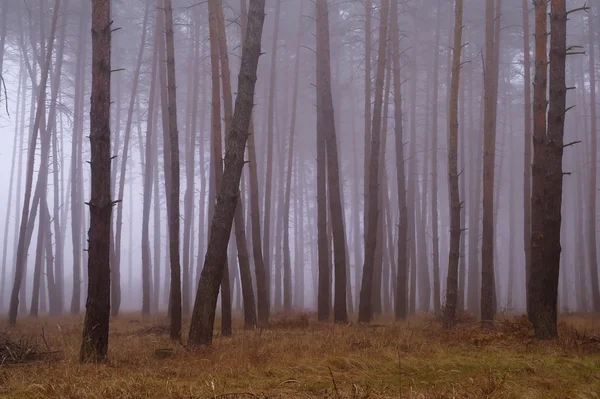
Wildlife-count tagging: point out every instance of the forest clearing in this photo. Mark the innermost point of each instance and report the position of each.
(298, 358)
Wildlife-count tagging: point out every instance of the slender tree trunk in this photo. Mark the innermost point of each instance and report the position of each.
(326, 123)
(269, 159)
(175, 296)
(262, 280)
(365, 308)
(487, 244)
(527, 146)
(149, 166)
(21, 248)
(434, 169)
(368, 117)
(455, 204)
(591, 234)
(94, 344)
(201, 326)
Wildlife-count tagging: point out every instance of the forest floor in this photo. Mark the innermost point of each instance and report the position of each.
(298, 358)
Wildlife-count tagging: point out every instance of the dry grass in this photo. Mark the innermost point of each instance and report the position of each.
(297, 358)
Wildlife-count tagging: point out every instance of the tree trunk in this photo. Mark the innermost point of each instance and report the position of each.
(326, 123)
(262, 280)
(149, 166)
(489, 148)
(455, 204)
(94, 345)
(434, 168)
(240, 232)
(527, 146)
(547, 171)
(21, 247)
(269, 167)
(365, 308)
(175, 296)
(591, 234)
(201, 326)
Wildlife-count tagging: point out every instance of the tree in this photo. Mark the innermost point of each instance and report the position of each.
(201, 326)
(262, 281)
(455, 204)
(287, 267)
(326, 127)
(175, 297)
(94, 345)
(489, 149)
(527, 146)
(365, 308)
(547, 182)
(240, 233)
(591, 232)
(26, 220)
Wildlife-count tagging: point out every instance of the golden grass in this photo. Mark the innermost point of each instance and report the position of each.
(298, 358)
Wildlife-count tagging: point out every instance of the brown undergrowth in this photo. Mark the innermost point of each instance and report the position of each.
(296, 357)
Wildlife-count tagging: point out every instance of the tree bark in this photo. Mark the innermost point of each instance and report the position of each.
(94, 345)
(547, 170)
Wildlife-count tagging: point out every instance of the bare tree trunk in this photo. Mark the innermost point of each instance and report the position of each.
(76, 165)
(455, 204)
(149, 167)
(201, 326)
(489, 147)
(116, 264)
(368, 117)
(365, 308)
(547, 170)
(401, 304)
(527, 146)
(591, 234)
(21, 94)
(175, 296)
(21, 248)
(94, 344)
(269, 159)
(326, 127)
(262, 280)
(287, 267)
(434, 169)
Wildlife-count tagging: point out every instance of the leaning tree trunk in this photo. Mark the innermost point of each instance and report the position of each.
(201, 326)
(240, 231)
(94, 345)
(365, 311)
(455, 204)
(175, 297)
(262, 280)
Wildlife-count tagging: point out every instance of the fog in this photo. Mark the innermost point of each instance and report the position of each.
(425, 32)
